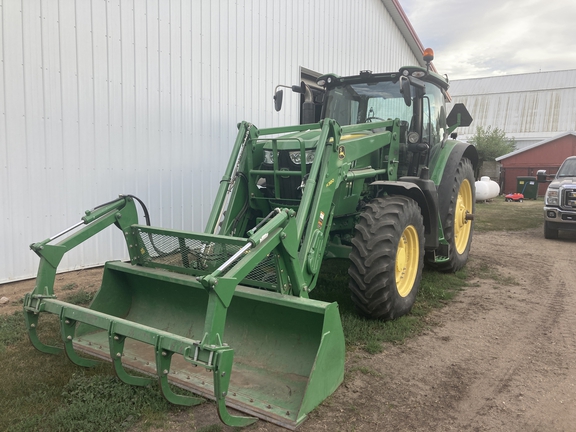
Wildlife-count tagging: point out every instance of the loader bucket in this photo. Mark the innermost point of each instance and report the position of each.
(288, 351)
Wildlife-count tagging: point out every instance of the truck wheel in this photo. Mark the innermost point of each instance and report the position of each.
(550, 233)
(458, 228)
(387, 257)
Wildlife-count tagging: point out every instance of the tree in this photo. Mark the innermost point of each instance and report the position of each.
(491, 143)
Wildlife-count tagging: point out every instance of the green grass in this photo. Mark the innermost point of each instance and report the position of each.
(42, 392)
(80, 297)
(436, 289)
(11, 330)
(499, 215)
(69, 286)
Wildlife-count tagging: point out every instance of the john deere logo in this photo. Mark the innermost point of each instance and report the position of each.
(341, 152)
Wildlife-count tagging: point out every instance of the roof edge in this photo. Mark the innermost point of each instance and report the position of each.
(401, 19)
(538, 144)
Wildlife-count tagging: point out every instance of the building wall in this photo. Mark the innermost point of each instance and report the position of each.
(108, 97)
(548, 156)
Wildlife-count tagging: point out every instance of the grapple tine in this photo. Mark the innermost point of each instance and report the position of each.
(163, 361)
(31, 319)
(68, 329)
(116, 343)
(222, 373)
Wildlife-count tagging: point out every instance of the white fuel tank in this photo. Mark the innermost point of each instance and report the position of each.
(486, 189)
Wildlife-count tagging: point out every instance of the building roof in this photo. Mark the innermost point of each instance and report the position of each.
(538, 144)
(527, 107)
(515, 83)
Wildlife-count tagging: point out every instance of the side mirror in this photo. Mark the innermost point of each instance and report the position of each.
(405, 90)
(541, 175)
(278, 96)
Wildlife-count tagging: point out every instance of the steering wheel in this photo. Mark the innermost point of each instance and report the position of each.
(369, 119)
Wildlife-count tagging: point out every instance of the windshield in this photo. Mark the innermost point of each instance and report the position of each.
(368, 102)
(568, 169)
(361, 103)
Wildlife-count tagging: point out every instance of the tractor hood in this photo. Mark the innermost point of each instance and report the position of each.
(310, 139)
(292, 141)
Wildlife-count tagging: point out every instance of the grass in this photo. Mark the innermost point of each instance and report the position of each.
(436, 289)
(80, 297)
(69, 286)
(498, 215)
(42, 392)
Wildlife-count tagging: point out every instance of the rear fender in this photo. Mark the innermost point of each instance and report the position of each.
(424, 193)
(443, 166)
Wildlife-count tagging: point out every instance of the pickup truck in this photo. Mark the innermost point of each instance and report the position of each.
(560, 199)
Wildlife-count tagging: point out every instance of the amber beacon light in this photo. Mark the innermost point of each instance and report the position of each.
(428, 55)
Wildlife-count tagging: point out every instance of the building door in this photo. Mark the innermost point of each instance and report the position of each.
(309, 77)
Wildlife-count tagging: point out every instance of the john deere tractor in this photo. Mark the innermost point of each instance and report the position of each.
(226, 313)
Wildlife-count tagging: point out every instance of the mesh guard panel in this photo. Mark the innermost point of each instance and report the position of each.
(198, 257)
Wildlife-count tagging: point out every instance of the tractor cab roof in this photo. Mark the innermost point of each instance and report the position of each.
(332, 80)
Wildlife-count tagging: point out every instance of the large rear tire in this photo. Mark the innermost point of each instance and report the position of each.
(457, 221)
(387, 257)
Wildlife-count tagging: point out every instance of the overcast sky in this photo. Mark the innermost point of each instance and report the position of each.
(480, 38)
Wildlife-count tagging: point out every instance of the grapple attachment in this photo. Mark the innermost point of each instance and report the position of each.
(182, 310)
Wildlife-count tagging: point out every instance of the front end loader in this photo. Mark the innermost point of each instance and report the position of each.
(226, 313)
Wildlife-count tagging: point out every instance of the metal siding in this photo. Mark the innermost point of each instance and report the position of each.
(528, 107)
(143, 97)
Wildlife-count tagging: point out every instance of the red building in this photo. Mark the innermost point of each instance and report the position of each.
(548, 155)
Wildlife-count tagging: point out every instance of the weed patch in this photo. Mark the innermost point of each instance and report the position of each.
(80, 298)
(69, 286)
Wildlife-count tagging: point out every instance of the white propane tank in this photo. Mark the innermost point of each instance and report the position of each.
(486, 189)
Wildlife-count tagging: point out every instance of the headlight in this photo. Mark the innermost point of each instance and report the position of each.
(413, 137)
(552, 197)
(295, 157)
(269, 157)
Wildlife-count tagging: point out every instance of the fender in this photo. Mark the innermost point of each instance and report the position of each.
(424, 193)
(443, 165)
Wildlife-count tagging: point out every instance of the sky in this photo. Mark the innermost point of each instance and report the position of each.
(482, 38)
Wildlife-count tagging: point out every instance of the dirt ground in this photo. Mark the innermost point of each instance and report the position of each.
(500, 357)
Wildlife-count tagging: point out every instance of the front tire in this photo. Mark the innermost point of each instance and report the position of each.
(387, 257)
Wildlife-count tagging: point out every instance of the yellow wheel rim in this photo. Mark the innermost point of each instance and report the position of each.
(407, 260)
(463, 226)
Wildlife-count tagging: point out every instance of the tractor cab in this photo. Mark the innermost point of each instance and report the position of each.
(415, 95)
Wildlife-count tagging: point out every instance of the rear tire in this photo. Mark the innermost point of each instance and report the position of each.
(550, 233)
(387, 257)
(457, 229)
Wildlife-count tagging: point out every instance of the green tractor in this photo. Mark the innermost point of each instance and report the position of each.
(226, 313)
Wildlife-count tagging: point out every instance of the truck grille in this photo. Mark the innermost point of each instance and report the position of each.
(569, 198)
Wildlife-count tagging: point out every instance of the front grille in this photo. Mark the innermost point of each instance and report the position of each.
(568, 198)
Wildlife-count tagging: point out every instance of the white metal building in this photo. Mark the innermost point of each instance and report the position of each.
(529, 107)
(108, 97)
